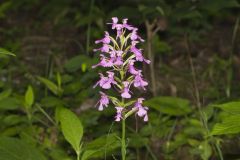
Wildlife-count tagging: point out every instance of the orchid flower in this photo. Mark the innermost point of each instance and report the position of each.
(103, 102)
(121, 58)
(119, 53)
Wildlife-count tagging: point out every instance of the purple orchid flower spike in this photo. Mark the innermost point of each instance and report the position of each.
(131, 67)
(114, 22)
(105, 82)
(118, 61)
(117, 26)
(135, 36)
(105, 40)
(118, 117)
(121, 59)
(139, 82)
(127, 26)
(138, 53)
(111, 77)
(104, 62)
(104, 101)
(105, 48)
(125, 93)
(118, 58)
(119, 54)
(141, 111)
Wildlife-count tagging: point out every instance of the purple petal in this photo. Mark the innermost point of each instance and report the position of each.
(100, 108)
(126, 95)
(106, 85)
(145, 118)
(115, 20)
(141, 112)
(119, 113)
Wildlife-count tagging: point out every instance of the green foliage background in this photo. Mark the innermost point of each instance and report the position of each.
(46, 93)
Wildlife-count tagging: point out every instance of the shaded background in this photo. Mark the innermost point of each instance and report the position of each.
(194, 47)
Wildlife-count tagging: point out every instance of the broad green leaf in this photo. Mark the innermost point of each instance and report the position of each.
(170, 105)
(101, 146)
(6, 52)
(5, 94)
(206, 150)
(59, 79)
(103, 142)
(12, 119)
(11, 131)
(9, 103)
(29, 97)
(230, 125)
(51, 86)
(71, 127)
(230, 107)
(216, 6)
(89, 153)
(82, 62)
(16, 149)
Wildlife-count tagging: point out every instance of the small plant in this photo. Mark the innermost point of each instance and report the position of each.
(120, 53)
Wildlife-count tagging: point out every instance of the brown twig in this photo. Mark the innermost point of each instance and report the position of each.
(150, 33)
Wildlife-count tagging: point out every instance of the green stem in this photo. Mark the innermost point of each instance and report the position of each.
(219, 152)
(89, 27)
(29, 116)
(45, 114)
(123, 149)
(78, 155)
